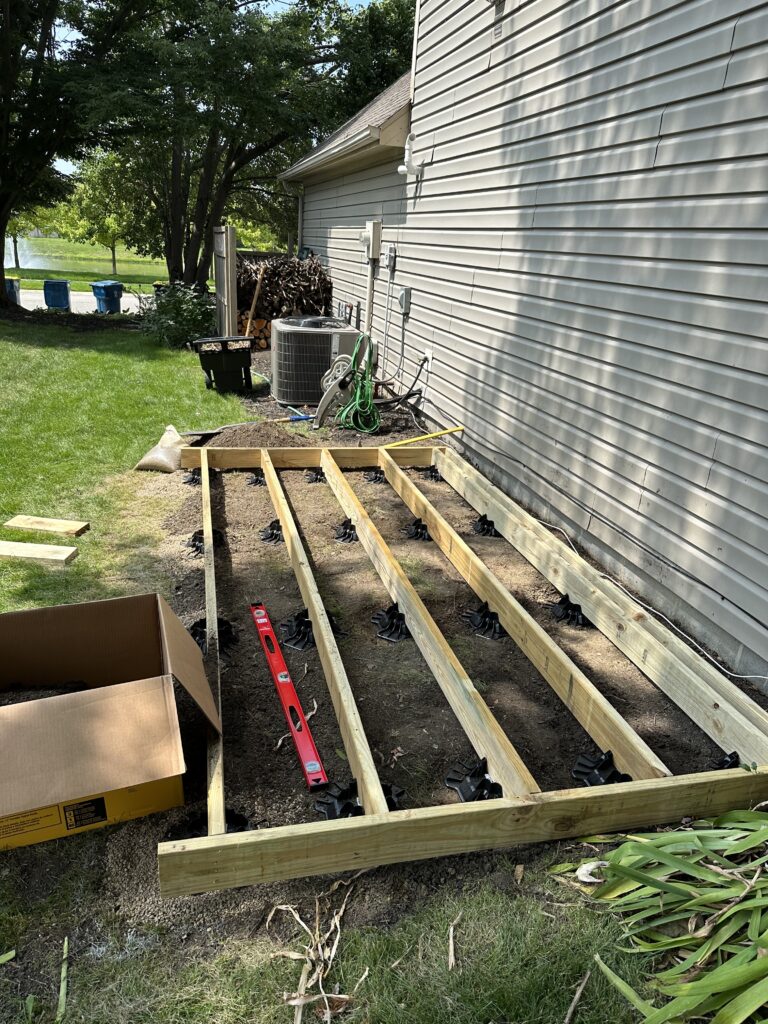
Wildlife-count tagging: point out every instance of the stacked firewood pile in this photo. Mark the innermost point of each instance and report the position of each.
(289, 287)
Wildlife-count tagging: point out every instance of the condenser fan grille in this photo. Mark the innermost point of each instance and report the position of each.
(303, 349)
(300, 361)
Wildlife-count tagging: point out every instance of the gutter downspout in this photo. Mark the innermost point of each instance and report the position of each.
(300, 231)
(415, 48)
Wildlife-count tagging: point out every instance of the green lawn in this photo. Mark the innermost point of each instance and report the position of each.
(77, 411)
(80, 263)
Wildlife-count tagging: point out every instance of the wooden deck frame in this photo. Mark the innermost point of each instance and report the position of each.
(728, 716)
(589, 707)
(351, 728)
(525, 814)
(483, 731)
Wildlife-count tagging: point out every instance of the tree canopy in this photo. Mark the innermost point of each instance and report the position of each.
(97, 211)
(201, 102)
(55, 55)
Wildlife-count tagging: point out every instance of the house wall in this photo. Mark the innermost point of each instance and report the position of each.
(587, 251)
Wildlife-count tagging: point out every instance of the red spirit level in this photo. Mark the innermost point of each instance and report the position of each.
(309, 758)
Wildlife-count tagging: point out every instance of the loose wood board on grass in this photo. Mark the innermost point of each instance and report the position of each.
(70, 527)
(377, 837)
(51, 553)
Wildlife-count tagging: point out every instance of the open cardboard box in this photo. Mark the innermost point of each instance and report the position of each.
(110, 749)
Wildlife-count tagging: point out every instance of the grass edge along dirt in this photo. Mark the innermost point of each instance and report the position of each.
(522, 946)
(79, 410)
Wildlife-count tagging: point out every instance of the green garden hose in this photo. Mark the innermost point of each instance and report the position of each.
(360, 413)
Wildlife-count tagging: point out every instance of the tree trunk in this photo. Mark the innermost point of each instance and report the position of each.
(113, 250)
(204, 264)
(15, 240)
(199, 219)
(5, 299)
(175, 253)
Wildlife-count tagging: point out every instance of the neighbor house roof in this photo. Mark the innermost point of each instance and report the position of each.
(375, 133)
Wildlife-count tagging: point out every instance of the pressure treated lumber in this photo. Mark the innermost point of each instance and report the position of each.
(301, 458)
(351, 844)
(355, 743)
(585, 702)
(70, 527)
(216, 810)
(56, 554)
(483, 731)
(720, 709)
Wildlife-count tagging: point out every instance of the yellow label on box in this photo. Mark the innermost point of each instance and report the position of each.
(73, 816)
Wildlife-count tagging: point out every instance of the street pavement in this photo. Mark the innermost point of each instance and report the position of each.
(82, 302)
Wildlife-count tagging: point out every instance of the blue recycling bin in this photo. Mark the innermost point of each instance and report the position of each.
(13, 288)
(57, 295)
(108, 295)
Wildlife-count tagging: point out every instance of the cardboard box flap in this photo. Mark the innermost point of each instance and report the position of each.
(81, 645)
(184, 659)
(88, 743)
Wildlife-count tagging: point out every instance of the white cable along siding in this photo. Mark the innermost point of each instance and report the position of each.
(587, 248)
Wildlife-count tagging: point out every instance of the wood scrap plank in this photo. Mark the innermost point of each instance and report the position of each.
(295, 851)
(71, 527)
(216, 809)
(300, 458)
(483, 731)
(728, 716)
(585, 702)
(50, 553)
(352, 732)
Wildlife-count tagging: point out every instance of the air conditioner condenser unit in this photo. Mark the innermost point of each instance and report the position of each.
(303, 348)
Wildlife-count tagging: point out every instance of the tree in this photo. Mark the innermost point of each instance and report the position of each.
(55, 70)
(221, 97)
(97, 211)
(43, 218)
(19, 226)
(371, 48)
(253, 235)
(213, 91)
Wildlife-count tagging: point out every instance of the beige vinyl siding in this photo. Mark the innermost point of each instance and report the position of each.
(587, 249)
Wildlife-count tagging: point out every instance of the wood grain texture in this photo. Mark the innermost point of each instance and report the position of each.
(56, 554)
(295, 851)
(355, 743)
(216, 809)
(585, 702)
(70, 527)
(728, 716)
(483, 731)
(301, 458)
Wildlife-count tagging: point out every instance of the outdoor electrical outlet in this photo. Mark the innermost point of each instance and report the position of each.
(390, 258)
(428, 356)
(404, 300)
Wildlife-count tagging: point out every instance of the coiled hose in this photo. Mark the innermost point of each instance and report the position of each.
(360, 412)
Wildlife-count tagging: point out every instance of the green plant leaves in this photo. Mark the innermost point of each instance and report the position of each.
(697, 899)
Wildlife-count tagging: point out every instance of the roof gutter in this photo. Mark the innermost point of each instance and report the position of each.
(315, 161)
